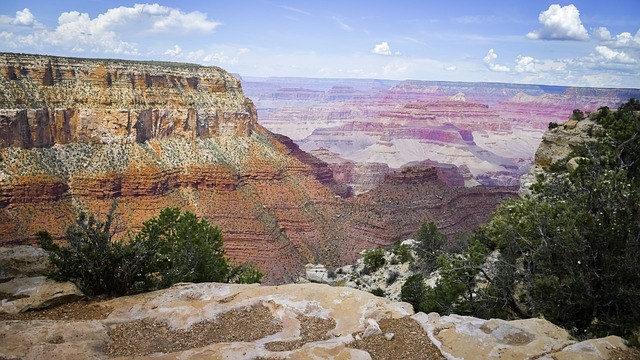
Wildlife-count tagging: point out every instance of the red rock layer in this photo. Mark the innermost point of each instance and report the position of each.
(406, 199)
(77, 135)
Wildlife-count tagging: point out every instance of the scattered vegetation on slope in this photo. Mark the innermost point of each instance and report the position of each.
(569, 252)
(173, 247)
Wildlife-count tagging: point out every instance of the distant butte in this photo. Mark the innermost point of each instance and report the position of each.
(489, 130)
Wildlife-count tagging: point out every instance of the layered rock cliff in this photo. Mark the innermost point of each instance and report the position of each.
(75, 134)
(52, 100)
(492, 130)
(79, 134)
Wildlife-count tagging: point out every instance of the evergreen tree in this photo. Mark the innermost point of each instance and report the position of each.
(173, 247)
(570, 251)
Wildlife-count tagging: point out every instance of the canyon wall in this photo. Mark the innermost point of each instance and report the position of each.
(77, 134)
(52, 100)
(80, 134)
(490, 131)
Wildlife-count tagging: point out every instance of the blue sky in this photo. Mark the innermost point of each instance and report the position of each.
(579, 43)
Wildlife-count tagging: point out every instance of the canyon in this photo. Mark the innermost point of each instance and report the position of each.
(77, 135)
(365, 129)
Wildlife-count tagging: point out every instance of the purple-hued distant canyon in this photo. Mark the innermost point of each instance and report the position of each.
(367, 128)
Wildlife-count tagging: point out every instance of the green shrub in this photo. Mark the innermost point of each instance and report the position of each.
(455, 290)
(374, 259)
(402, 252)
(428, 246)
(90, 259)
(377, 292)
(413, 291)
(186, 249)
(173, 247)
(578, 115)
(245, 274)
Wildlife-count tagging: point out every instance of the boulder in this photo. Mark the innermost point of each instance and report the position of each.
(24, 287)
(30, 293)
(22, 261)
(572, 164)
(316, 273)
(571, 124)
(463, 337)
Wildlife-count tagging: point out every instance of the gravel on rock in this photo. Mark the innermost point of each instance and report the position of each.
(144, 337)
(409, 342)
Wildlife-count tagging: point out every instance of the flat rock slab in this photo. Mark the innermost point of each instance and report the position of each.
(296, 321)
(464, 337)
(22, 261)
(31, 293)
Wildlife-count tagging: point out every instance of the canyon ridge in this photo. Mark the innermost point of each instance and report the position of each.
(78, 134)
(365, 129)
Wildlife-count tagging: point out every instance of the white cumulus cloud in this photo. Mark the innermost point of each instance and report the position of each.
(113, 31)
(525, 64)
(625, 39)
(176, 51)
(602, 33)
(621, 49)
(81, 33)
(155, 18)
(611, 55)
(560, 23)
(490, 61)
(382, 49)
(23, 18)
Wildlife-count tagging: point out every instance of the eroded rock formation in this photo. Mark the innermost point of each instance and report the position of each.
(52, 100)
(77, 134)
(556, 146)
(491, 130)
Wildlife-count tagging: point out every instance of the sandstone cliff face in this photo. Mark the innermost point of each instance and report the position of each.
(77, 134)
(558, 143)
(51, 100)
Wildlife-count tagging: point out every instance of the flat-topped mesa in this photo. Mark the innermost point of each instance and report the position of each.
(47, 100)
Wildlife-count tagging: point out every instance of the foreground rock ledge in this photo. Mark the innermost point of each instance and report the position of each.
(351, 314)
